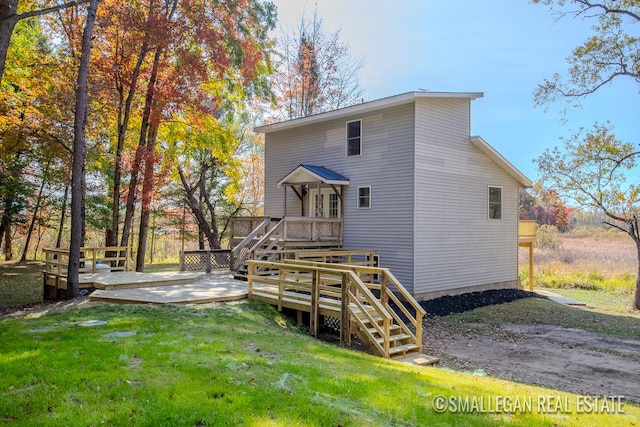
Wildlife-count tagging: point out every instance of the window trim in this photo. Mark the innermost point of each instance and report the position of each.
(489, 187)
(358, 206)
(346, 146)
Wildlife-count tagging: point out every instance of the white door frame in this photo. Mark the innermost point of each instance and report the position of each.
(326, 193)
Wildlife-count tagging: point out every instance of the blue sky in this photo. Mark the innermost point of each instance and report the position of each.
(502, 48)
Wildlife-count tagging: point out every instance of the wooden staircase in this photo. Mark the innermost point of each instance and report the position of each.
(384, 315)
(272, 239)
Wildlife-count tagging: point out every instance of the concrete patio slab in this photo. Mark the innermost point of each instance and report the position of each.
(559, 298)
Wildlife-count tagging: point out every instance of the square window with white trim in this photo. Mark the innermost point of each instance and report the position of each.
(495, 203)
(364, 197)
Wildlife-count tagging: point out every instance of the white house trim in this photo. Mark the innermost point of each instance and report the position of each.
(365, 107)
(302, 175)
(491, 152)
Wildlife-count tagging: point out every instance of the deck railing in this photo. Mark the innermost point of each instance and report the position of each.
(295, 228)
(313, 229)
(404, 301)
(341, 256)
(527, 229)
(92, 260)
(325, 290)
(252, 237)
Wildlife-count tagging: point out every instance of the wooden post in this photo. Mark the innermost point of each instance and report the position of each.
(419, 329)
(387, 340)
(384, 286)
(208, 262)
(345, 327)
(280, 288)
(531, 266)
(284, 187)
(314, 317)
(250, 280)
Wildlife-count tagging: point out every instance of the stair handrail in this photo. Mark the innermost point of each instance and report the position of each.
(386, 293)
(264, 238)
(420, 312)
(384, 329)
(355, 300)
(238, 261)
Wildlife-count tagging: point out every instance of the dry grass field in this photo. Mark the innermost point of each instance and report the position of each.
(586, 260)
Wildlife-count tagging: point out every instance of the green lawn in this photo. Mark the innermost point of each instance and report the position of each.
(20, 283)
(532, 311)
(238, 364)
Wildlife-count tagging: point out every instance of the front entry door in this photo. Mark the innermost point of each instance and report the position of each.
(324, 205)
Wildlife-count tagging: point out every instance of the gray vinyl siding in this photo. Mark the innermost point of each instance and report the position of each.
(386, 165)
(456, 245)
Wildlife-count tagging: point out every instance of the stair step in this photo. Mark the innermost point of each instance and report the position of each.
(392, 329)
(404, 349)
(393, 338)
(417, 359)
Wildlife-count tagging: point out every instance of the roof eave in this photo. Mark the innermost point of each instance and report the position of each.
(313, 175)
(364, 108)
(498, 158)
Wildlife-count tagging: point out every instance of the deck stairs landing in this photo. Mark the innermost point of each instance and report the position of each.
(382, 313)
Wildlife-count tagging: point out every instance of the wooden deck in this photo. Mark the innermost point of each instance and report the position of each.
(219, 286)
(132, 279)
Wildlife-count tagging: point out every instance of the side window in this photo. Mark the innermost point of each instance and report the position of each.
(333, 205)
(364, 197)
(354, 138)
(495, 203)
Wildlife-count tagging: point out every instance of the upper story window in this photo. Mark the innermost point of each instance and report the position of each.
(495, 203)
(354, 138)
(364, 197)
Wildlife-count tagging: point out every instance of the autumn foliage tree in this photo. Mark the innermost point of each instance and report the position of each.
(156, 65)
(545, 207)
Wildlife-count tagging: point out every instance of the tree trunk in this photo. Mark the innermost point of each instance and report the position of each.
(5, 227)
(63, 214)
(135, 170)
(636, 295)
(35, 215)
(147, 193)
(79, 153)
(8, 20)
(124, 115)
(196, 209)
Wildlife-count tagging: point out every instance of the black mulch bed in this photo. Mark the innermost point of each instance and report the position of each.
(444, 306)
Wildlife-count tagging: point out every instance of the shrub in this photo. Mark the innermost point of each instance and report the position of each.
(547, 237)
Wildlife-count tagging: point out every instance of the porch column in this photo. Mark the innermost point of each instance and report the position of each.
(284, 187)
(318, 207)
